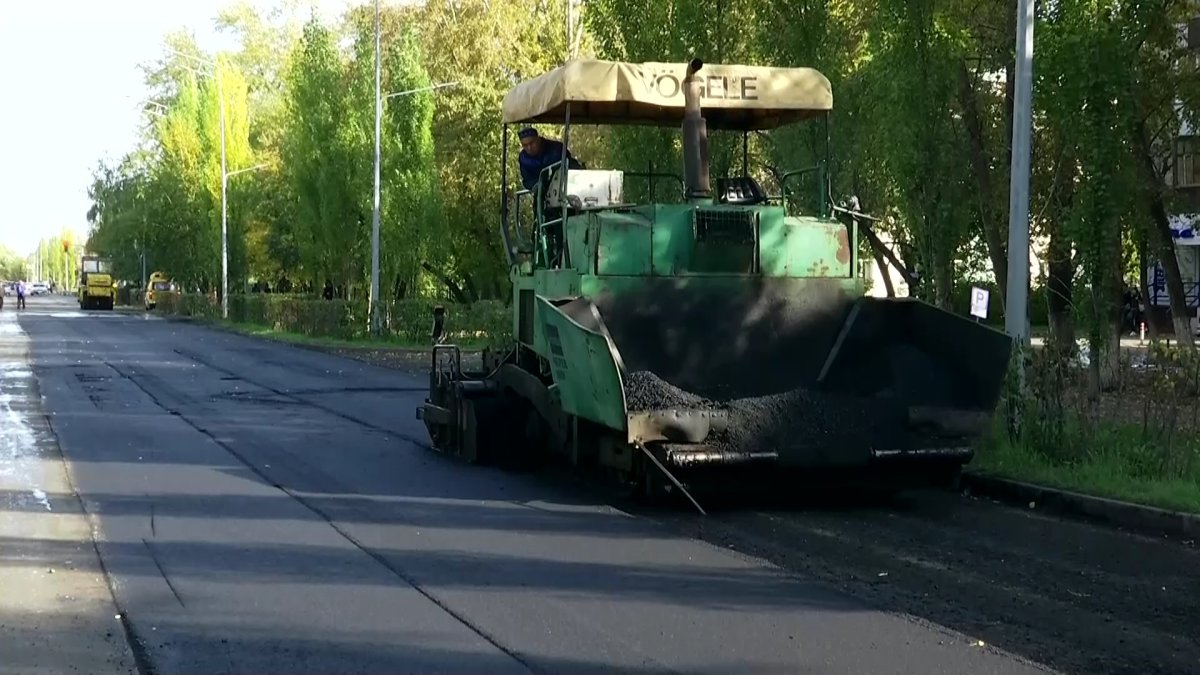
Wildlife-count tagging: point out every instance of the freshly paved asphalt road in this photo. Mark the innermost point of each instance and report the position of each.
(56, 610)
(261, 508)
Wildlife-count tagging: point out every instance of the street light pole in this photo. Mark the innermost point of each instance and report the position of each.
(224, 186)
(1016, 313)
(224, 209)
(374, 299)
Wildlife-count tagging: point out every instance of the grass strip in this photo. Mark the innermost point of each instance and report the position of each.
(1117, 469)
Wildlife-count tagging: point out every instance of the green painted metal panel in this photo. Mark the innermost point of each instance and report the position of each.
(522, 284)
(624, 244)
(554, 284)
(582, 364)
(672, 239)
(557, 284)
(805, 247)
(579, 241)
(593, 286)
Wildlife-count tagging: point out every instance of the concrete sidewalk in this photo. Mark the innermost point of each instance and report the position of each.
(1126, 342)
(56, 611)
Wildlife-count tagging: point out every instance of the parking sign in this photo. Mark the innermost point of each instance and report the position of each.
(979, 302)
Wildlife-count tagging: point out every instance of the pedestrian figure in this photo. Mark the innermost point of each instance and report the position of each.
(21, 295)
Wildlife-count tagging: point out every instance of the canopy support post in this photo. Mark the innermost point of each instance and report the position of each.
(505, 233)
(826, 186)
(746, 153)
(563, 258)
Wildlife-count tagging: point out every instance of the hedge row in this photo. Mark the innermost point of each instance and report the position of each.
(406, 320)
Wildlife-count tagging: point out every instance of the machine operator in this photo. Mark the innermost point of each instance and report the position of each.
(537, 153)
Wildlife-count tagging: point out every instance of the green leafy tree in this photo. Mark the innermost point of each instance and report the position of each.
(321, 162)
(12, 265)
(470, 261)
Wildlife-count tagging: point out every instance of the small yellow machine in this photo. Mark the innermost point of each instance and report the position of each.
(158, 283)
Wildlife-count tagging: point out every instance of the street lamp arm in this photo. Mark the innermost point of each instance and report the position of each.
(205, 61)
(415, 91)
(252, 168)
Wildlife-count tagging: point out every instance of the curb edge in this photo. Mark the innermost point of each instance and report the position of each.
(1143, 519)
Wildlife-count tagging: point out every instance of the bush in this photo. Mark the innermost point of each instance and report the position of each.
(188, 304)
(1066, 424)
(409, 321)
(488, 320)
(298, 314)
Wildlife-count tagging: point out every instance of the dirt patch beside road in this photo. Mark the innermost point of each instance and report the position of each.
(415, 361)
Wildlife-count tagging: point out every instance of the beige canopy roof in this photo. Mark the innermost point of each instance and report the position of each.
(610, 92)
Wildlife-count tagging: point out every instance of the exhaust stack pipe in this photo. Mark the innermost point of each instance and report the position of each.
(695, 136)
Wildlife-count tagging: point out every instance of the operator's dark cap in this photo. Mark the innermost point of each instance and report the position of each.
(527, 132)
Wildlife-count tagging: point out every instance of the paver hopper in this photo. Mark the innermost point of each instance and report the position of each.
(665, 338)
(790, 373)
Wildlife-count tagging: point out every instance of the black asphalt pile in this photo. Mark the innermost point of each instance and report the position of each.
(796, 423)
(646, 391)
(803, 423)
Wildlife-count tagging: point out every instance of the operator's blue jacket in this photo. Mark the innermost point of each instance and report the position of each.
(531, 167)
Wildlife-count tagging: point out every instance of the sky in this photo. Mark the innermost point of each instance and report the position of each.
(71, 93)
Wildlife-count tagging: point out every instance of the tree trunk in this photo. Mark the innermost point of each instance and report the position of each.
(1060, 263)
(881, 253)
(456, 291)
(878, 250)
(1060, 288)
(1109, 286)
(1110, 361)
(943, 278)
(1110, 356)
(470, 288)
(1164, 244)
(1144, 285)
(884, 270)
(981, 165)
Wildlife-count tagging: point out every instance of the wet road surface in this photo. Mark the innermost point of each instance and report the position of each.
(263, 507)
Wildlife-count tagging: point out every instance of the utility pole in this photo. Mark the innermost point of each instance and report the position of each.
(216, 75)
(1016, 314)
(224, 205)
(145, 281)
(374, 299)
